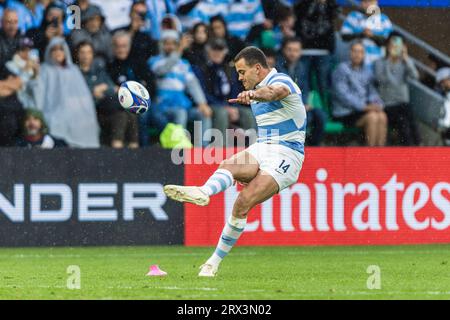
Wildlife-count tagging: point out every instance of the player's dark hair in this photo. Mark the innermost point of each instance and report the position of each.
(252, 56)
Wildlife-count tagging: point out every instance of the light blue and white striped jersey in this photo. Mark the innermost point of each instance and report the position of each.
(203, 12)
(27, 20)
(172, 86)
(243, 15)
(281, 122)
(240, 16)
(379, 24)
(157, 9)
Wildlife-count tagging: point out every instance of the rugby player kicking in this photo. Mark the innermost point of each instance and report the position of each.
(268, 166)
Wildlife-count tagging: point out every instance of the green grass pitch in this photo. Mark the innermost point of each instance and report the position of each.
(407, 272)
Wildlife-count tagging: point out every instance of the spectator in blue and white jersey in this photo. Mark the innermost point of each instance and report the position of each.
(369, 25)
(195, 11)
(175, 79)
(243, 15)
(34, 14)
(240, 15)
(157, 11)
(22, 13)
(171, 22)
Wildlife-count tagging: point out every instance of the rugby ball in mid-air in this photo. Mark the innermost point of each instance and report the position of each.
(133, 97)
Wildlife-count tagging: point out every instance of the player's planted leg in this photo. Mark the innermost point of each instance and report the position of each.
(261, 188)
(230, 234)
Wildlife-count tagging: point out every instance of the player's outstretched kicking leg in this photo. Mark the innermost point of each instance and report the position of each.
(195, 195)
(261, 186)
(241, 167)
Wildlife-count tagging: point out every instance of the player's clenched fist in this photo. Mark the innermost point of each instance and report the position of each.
(244, 97)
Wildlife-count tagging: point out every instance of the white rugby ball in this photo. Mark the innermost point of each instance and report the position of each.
(134, 97)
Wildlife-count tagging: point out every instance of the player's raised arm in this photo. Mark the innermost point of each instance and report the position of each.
(273, 92)
(270, 93)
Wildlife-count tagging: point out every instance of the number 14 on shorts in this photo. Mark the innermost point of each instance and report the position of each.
(283, 166)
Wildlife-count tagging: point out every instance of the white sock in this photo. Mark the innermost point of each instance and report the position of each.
(221, 180)
(230, 234)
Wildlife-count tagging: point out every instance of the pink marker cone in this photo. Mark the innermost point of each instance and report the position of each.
(156, 271)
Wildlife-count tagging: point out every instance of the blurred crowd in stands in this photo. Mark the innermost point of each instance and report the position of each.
(59, 83)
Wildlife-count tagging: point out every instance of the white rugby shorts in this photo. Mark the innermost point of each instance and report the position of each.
(281, 162)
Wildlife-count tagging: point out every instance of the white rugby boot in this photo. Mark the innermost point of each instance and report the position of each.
(187, 194)
(208, 270)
